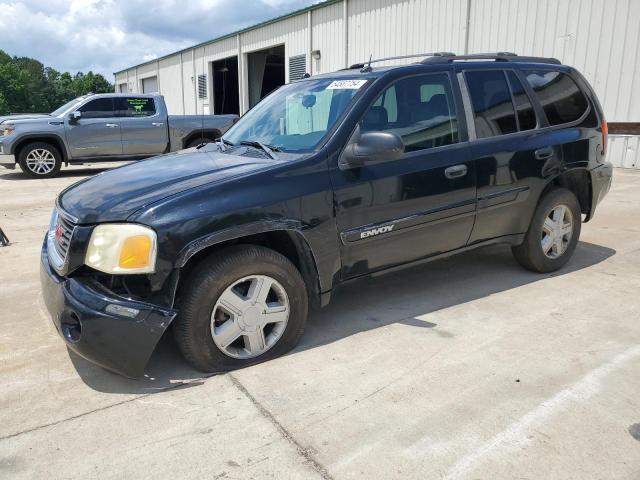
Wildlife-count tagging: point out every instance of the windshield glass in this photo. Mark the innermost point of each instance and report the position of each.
(67, 106)
(297, 116)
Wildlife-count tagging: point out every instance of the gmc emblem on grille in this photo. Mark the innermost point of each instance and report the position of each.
(58, 233)
(376, 231)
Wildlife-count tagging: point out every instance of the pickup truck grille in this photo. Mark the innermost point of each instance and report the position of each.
(62, 236)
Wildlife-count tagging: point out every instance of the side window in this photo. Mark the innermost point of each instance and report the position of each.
(98, 108)
(491, 101)
(419, 109)
(560, 97)
(135, 107)
(524, 109)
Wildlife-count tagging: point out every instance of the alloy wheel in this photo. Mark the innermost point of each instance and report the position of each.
(557, 231)
(40, 161)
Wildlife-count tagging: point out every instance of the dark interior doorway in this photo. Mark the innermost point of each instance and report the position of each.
(226, 98)
(266, 72)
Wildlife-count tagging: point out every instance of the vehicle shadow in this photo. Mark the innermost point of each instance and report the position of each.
(407, 294)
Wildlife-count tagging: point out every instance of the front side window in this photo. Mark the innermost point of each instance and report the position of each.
(98, 108)
(135, 106)
(560, 97)
(491, 100)
(420, 109)
(298, 115)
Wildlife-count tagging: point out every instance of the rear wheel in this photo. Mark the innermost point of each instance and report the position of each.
(553, 234)
(40, 160)
(245, 305)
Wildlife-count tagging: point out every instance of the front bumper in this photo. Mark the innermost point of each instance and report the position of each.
(116, 342)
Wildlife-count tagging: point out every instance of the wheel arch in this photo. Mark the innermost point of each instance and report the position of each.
(52, 139)
(578, 181)
(284, 238)
(211, 133)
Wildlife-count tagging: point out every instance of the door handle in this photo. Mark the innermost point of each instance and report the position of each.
(157, 124)
(111, 125)
(544, 153)
(456, 171)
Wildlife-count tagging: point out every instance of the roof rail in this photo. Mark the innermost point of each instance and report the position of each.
(366, 66)
(497, 56)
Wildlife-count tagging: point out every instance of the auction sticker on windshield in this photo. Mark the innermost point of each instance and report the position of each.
(346, 84)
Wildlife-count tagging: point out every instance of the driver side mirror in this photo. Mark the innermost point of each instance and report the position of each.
(371, 147)
(75, 116)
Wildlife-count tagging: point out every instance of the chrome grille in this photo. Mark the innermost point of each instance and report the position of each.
(62, 235)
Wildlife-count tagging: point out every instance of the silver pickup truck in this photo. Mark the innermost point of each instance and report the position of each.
(102, 127)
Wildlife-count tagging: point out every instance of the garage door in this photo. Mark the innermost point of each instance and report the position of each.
(150, 85)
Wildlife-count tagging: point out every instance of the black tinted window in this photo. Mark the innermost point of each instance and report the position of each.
(135, 106)
(98, 108)
(561, 99)
(419, 109)
(524, 109)
(492, 105)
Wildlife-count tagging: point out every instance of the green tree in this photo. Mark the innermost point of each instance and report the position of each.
(27, 86)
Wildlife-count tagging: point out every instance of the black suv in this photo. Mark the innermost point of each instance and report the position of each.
(328, 179)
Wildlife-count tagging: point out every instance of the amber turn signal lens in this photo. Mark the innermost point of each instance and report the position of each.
(135, 252)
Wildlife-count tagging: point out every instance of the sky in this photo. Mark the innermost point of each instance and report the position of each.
(109, 35)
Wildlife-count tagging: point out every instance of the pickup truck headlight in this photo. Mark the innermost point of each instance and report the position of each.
(122, 248)
(6, 130)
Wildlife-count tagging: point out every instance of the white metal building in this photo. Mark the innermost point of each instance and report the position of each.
(231, 73)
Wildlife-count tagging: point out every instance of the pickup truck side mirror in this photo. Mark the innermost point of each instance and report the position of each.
(371, 147)
(75, 116)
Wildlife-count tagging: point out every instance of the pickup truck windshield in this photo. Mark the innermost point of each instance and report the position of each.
(67, 106)
(297, 116)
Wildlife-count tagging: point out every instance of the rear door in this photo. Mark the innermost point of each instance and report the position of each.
(422, 204)
(97, 132)
(144, 127)
(511, 154)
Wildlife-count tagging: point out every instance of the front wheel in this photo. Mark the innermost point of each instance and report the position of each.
(553, 233)
(244, 305)
(40, 160)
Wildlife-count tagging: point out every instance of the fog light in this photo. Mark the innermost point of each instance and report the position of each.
(122, 311)
(71, 328)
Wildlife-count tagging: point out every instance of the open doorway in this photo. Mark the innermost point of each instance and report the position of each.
(266, 72)
(226, 98)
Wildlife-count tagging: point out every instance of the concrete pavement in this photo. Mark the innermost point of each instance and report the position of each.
(469, 367)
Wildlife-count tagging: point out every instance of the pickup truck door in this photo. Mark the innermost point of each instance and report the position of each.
(96, 133)
(143, 125)
(422, 204)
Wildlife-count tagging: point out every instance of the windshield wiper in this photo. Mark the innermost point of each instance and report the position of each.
(269, 149)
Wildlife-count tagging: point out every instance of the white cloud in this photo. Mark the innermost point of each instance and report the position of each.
(109, 35)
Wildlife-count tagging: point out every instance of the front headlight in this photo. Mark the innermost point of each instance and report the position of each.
(121, 248)
(7, 130)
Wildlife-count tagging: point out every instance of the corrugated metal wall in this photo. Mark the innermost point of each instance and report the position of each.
(599, 37)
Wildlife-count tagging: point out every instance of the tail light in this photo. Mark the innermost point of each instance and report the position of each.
(605, 133)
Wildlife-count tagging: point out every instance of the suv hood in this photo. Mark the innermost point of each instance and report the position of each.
(114, 195)
(24, 116)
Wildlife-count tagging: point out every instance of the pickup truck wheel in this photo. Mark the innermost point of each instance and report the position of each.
(40, 160)
(553, 233)
(242, 306)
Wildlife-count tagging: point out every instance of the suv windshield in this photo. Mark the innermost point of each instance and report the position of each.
(67, 106)
(297, 116)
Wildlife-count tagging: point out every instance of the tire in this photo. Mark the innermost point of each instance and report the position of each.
(40, 160)
(198, 141)
(558, 241)
(201, 312)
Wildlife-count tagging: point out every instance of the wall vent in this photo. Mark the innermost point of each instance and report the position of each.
(297, 67)
(202, 86)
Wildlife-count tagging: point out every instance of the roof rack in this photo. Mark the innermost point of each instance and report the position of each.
(497, 56)
(366, 66)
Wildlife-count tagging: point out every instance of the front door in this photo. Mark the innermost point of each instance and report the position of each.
(420, 205)
(97, 132)
(144, 129)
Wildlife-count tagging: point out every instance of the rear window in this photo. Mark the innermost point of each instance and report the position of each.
(135, 106)
(491, 101)
(560, 97)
